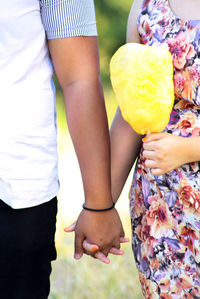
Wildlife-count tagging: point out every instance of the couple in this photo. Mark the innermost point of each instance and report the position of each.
(165, 192)
(164, 197)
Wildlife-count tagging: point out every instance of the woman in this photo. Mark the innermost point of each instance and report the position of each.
(165, 193)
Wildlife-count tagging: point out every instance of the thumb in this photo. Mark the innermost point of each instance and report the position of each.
(78, 246)
(153, 137)
(70, 228)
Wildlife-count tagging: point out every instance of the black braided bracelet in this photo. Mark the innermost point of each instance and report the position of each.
(99, 210)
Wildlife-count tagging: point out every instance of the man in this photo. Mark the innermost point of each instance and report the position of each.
(28, 154)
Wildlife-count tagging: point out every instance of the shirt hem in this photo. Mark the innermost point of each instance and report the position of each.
(23, 204)
(82, 31)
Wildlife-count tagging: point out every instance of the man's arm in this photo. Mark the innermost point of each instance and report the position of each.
(76, 63)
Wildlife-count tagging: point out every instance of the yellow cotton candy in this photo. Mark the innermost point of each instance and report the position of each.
(142, 78)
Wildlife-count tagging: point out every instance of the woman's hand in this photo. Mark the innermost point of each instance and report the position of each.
(165, 152)
(93, 249)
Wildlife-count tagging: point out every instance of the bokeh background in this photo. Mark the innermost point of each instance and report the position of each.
(88, 278)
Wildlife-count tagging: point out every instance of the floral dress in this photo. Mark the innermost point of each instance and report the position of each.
(165, 210)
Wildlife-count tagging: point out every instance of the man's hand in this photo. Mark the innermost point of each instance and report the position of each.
(165, 152)
(98, 234)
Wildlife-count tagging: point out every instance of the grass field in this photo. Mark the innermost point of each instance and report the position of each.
(87, 278)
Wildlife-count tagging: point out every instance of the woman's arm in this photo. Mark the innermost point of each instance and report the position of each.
(125, 146)
(125, 142)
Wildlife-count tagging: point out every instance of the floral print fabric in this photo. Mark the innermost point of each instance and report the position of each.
(165, 210)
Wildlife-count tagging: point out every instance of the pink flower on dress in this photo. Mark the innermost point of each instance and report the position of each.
(196, 291)
(179, 82)
(196, 131)
(159, 217)
(184, 283)
(139, 203)
(148, 32)
(182, 85)
(188, 296)
(149, 288)
(165, 296)
(186, 125)
(155, 264)
(187, 236)
(183, 104)
(143, 230)
(189, 198)
(194, 75)
(181, 50)
(164, 284)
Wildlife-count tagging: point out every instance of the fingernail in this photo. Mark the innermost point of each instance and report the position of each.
(95, 248)
(77, 256)
(145, 139)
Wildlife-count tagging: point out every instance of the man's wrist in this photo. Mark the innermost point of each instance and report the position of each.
(99, 210)
(100, 203)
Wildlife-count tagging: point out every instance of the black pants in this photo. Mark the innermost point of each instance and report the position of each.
(27, 248)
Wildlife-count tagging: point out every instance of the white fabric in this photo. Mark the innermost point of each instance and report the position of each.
(66, 18)
(28, 154)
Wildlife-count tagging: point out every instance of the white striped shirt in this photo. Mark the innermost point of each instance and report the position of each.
(67, 18)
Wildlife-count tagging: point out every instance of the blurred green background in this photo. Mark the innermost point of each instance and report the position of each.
(88, 278)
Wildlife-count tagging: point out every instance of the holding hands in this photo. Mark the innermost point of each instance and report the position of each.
(97, 234)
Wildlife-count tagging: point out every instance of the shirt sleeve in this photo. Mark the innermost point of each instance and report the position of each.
(68, 18)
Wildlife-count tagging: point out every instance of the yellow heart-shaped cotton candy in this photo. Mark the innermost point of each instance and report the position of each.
(142, 78)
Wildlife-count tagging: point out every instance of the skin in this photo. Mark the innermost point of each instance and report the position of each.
(188, 10)
(163, 152)
(76, 63)
(94, 251)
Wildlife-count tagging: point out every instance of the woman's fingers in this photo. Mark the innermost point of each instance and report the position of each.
(149, 154)
(151, 146)
(151, 164)
(116, 251)
(91, 248)
(101, 257)
(70, 228)
(124, 240)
